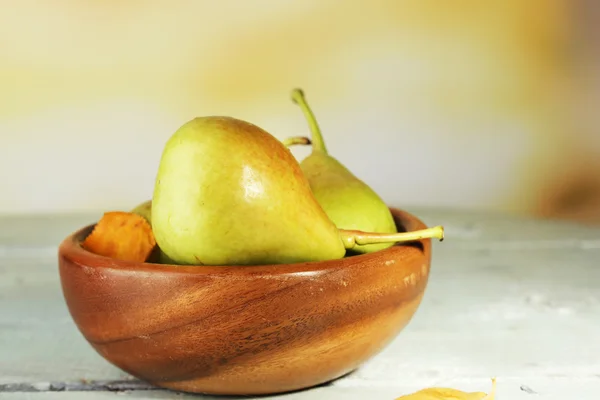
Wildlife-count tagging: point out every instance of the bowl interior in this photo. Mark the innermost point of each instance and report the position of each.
(72, 246)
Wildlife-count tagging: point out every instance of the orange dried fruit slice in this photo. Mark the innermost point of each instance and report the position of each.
(123, 236)
(450, 394)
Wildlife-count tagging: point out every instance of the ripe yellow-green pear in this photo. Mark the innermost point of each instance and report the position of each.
(348, 201)
(145, 210)
(229, 193)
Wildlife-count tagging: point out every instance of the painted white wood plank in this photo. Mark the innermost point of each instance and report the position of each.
(508, 389)
(508, 297)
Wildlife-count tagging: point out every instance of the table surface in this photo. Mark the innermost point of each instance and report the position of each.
(508, 297)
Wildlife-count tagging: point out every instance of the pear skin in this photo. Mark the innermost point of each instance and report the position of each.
(145, 210)
(229, 193)
(348, 201)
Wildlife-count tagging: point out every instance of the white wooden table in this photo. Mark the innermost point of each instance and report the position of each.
(512, 298)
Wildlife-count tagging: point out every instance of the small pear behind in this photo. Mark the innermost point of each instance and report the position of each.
(145, 210)
(229, 193)
(348, 201)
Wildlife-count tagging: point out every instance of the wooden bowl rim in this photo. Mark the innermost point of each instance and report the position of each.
(71, 249)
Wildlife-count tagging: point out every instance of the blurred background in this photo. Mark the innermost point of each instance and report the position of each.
(472, 104)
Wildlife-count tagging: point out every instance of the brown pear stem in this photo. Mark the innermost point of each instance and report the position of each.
(316, 136)
(294, 140)
(352, 238)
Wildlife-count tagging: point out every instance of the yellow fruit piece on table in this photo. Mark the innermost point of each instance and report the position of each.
(450, 394)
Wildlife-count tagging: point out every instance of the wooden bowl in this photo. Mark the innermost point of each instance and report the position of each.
(244, 330)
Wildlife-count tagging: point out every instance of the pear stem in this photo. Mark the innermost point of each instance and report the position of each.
(296, 140)
(352, 238)
(316, 136)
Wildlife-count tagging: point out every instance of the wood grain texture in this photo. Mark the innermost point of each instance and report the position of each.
(244, 330)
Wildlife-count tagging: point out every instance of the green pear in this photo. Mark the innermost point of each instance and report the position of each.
(348, 201)
(145, 210)
(229, 193)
